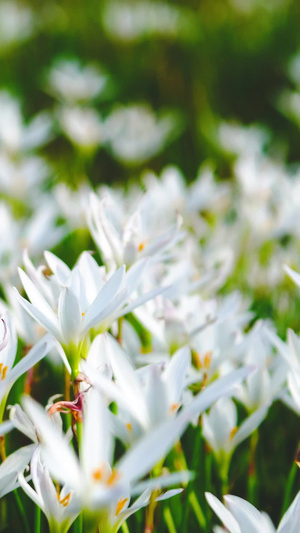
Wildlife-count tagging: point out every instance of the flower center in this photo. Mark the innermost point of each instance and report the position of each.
(64, 501)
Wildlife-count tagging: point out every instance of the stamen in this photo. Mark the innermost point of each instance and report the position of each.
(3, 371)
(66, 500)
(121, 504)
(129, 427)
(207, 360)
(233, 432)
(141, 246)
(174, 407)
(114, 476)
(98, 474)
(82, 314)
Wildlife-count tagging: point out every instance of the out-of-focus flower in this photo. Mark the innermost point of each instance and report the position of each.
(135, 134)
(125, 241)
(72, 82)
(240, 516)
(9, 373)
(22, 179)
(15, 136)
(60, 507)
(221, 432)
(12, 466)
(135, 22)
(82, 126)
(16, 23)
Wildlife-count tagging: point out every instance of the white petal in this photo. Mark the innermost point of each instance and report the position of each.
(221, 387)
(36, 297)
(248, 517)
(69, 315)
(97, 446)
(250, 425)
(104, 298)
(58, 455)
(150, 449)
(58, 267)
(225, 516)
(48, 322)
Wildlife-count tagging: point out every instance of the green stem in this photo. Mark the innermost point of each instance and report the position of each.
(125, 527)
(289, 488)
(197, 510)
(169, 520)
(22, 513)
(196, 459)
(252, 479)
(37, 519)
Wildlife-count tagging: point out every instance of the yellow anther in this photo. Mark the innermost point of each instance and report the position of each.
(141, 246)
(114, 476)
(174, 407)
(98, 474)
(129, 427)
(82, 314)
(66, 500)
(197, 360)
(232, 433)
(207, 360)
(120, 505)
(3, 371)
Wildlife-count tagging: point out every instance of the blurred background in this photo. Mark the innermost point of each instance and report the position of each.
(165, 73)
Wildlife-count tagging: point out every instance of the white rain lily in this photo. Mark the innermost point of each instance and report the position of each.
(15, 463)
(149, 397)
(240, 516)
(125, 241)
(98, 486)
(221, 431)
(16, 23)
(135, 134)
(9, 373)
(82, 126)
(146, 398)
(290, 353)
(68, 80)
(14, 135)
(60, 508)
(69, 303)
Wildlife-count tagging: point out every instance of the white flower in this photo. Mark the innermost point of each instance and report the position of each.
(11, 467)
(70, 303)
(72, 82)
(97, 485)
(14, 135)
(82, 126)
(135, 134)
(125, 241)
(240, 516)
(60, 507)
(9, 373)
(221, 431)
(146, 398)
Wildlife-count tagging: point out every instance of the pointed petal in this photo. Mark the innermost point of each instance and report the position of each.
(69, 316)
(225, 516)
(150, 449)
(58, 455)
(221, 387)
(104, 298)
(48, 322)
